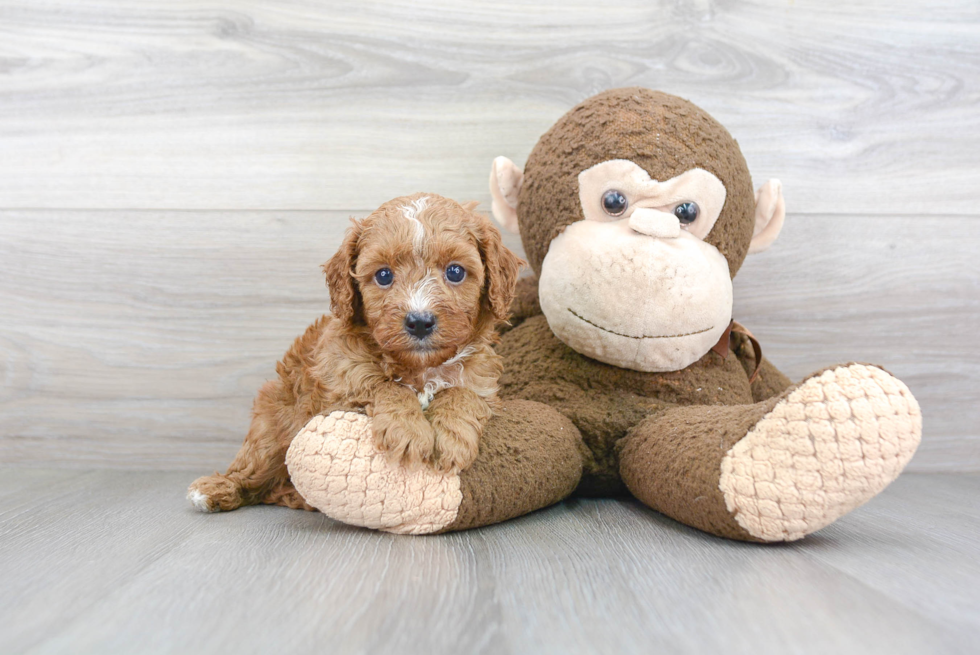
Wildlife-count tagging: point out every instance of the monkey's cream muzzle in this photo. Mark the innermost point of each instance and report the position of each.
(678, 290)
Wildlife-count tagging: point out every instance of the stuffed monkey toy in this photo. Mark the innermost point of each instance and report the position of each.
(624, 371)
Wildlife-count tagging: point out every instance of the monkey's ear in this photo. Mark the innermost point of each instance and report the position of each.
(505, 185)
(345, 298)
(770, 210)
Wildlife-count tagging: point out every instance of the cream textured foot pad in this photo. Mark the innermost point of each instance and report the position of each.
(829, 446)
(336, 468)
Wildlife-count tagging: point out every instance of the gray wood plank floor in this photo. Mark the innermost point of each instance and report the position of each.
(117, 562)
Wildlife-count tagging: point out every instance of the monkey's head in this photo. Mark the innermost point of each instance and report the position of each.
(636, 210)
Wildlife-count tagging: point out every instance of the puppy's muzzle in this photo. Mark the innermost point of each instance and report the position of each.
(420, 324)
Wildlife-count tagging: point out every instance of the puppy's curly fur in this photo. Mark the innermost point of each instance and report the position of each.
(429, 396)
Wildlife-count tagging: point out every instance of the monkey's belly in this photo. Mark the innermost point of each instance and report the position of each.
(605, 401)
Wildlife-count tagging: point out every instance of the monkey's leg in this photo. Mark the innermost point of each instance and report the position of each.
(782, 468)
(530, 456)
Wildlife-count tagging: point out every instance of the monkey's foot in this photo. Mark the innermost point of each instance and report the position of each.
(826, 447)
(781, 468)
(530, 457)
(335, 466)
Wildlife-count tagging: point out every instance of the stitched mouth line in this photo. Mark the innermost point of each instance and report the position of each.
(630, 336)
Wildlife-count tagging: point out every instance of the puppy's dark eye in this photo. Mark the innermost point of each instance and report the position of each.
(384, 277)
(686, 212)
(455, 273)
(614, 203)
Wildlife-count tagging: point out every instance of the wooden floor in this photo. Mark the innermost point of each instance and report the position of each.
(117, 562)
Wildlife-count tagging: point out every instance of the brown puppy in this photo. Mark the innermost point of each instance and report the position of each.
(416, 291)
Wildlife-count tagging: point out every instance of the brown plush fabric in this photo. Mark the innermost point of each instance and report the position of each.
(605, 401)
(530, 457)
(663, 134)
(770, 381)
(672, 463)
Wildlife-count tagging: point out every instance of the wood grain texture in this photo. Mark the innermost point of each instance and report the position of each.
(98, 562)
(231, 104)
(902, 292)
(138, 339)
(173, 173)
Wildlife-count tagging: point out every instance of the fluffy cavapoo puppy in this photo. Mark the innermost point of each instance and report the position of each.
(416, 292)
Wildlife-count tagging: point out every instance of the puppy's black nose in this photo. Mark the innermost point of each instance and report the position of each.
(420, 324)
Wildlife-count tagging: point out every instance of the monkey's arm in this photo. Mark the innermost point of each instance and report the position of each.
(770, 381)
(525, 303)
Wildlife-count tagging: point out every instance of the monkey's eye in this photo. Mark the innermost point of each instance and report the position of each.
(614, 203)
(455, 273)
(384, 277)
(686, 212)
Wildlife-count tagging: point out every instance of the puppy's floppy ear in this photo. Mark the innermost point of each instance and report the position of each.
(501, 268)
(345, 298)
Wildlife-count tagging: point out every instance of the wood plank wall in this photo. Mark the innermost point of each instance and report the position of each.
(172, 174)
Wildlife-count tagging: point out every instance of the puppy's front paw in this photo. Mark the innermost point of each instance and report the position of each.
(406, 439)
(457, 443)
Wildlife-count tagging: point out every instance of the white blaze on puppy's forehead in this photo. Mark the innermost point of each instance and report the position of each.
(421, 298)
(411, 212)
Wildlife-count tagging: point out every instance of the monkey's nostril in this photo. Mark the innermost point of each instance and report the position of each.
(420, 324)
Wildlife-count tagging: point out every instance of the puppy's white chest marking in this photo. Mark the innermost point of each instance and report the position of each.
(429, 392)
(431, 387)
(451, 373)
